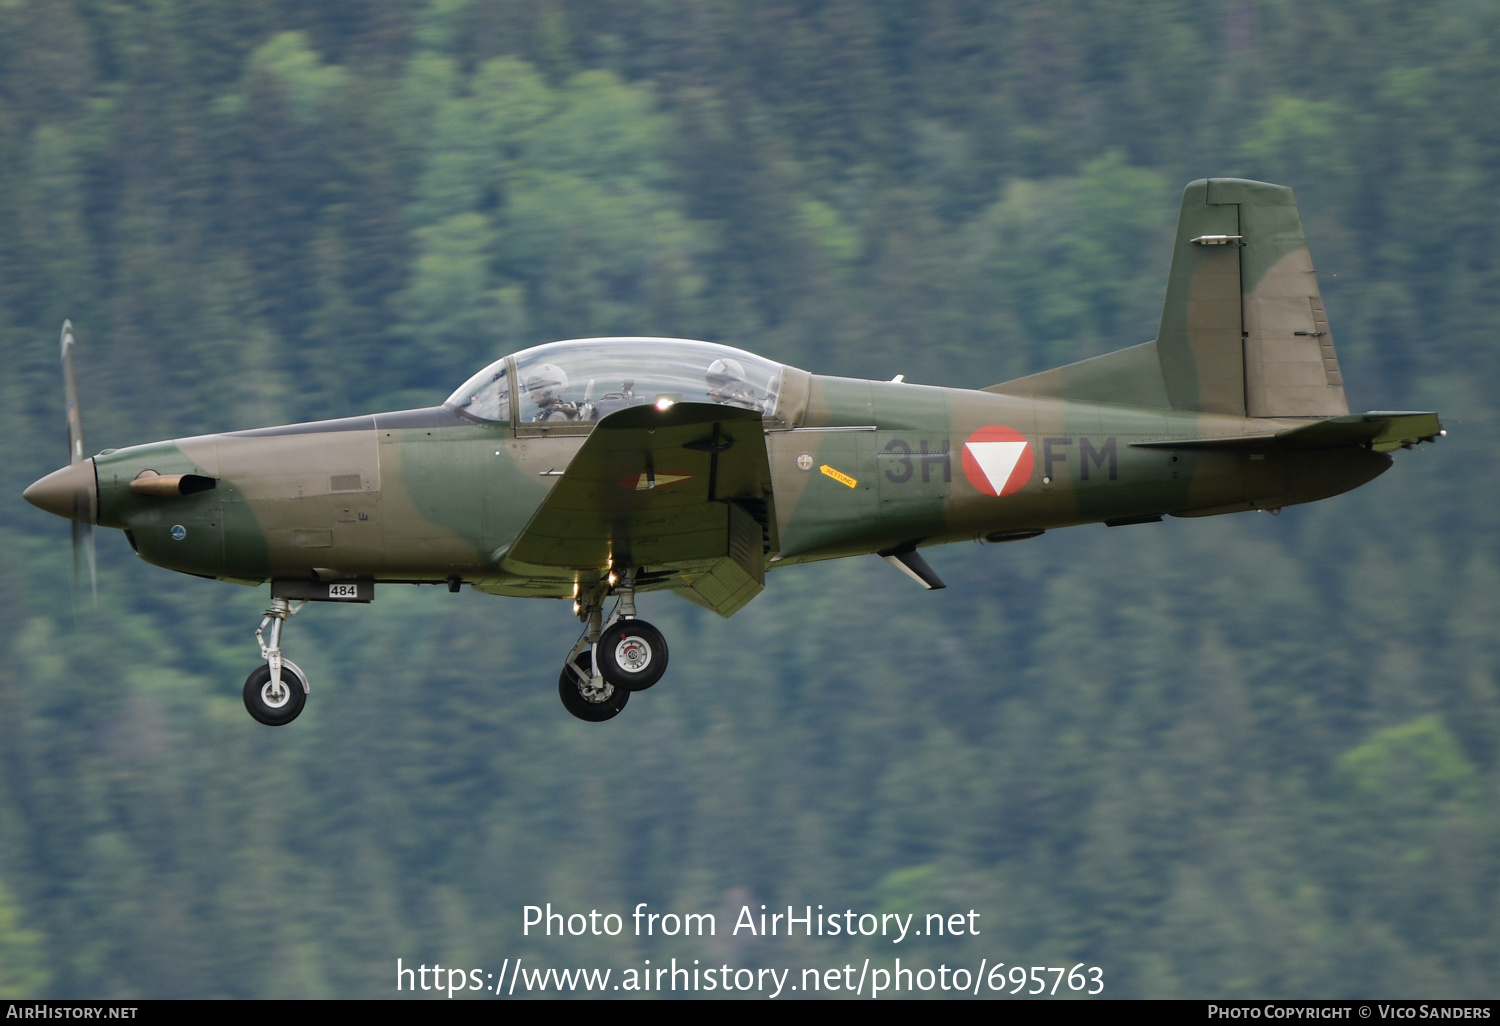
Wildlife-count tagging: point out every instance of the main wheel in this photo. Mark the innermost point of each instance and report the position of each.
(583, 700)
(273, 706)
(632, 655)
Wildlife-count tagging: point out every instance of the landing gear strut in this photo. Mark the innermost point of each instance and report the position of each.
(612, 657)
(589, 697)
(276, 692)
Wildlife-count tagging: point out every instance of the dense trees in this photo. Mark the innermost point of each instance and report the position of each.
(1239, 757)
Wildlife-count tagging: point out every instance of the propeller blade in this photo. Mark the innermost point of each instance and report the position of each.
(83, 530)
(83, 552)
(70, 391)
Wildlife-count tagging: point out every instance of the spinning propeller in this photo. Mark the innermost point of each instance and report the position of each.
(72, 492)
(83, 498)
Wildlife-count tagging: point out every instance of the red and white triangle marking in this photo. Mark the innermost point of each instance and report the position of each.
(997, 460)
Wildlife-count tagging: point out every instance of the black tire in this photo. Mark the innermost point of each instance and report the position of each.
(263, 707)
(632, 655)
(584, 702)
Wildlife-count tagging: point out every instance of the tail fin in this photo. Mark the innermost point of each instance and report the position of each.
(1243, 330)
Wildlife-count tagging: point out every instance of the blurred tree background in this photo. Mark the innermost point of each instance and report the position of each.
(1238, 757)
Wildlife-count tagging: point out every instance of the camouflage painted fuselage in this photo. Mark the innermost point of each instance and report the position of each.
(427, 496)
(1237, 405)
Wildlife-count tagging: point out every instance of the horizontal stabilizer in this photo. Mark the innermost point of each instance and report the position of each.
(1381, 431)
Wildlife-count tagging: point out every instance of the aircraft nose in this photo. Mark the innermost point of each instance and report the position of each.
(71, 493)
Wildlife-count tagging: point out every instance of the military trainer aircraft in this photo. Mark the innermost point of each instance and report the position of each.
(596, 469)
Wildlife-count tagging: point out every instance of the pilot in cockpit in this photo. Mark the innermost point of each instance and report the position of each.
(546, 385)
(726, 385)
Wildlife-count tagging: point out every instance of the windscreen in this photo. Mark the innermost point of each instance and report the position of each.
(485, 396)
(586, 379)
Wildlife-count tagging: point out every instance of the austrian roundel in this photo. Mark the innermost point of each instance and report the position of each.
(997, 460)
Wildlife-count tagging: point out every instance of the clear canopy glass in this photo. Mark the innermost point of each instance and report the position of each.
(586, 379)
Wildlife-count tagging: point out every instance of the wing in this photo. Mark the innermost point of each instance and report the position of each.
(682, 491)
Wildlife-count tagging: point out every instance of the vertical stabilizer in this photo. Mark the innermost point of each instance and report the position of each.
(1243, 330)
(1200, 341)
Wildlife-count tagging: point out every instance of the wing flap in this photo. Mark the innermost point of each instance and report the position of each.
(727, 584)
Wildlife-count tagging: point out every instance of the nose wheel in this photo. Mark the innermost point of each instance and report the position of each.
(275, 692)
(275, 703)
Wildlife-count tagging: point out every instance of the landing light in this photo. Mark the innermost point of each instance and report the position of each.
(664, 403)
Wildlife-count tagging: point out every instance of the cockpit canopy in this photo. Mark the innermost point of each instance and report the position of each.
(586, 379)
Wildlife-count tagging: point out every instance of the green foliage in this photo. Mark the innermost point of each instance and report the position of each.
(1416, 768)
(1411, 818)
(542, 209)
(1301, 141)
(22, 954)
(449, 299)
(310, 84)
(830, 231)
(1066, 262)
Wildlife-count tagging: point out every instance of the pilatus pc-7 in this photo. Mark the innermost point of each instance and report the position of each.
(597, 469)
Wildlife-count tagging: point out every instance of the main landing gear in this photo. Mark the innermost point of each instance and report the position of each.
(276, 692)
(613, 657)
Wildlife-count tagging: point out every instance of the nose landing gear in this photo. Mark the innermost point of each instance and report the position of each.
(611, 658)
(276, 692)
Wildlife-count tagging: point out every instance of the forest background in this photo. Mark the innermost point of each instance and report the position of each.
(1247, 756)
